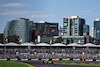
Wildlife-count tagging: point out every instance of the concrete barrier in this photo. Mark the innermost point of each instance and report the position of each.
(88, 59)
(66, 59)
(45, 59)
(35, 59)
(76, 59)
(24, 59)
(55, 59)
(97, 60)
(14, 59)
(3, 59)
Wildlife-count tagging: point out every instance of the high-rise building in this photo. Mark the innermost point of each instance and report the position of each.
(1, 37)
(73, 26)
(21, 27)
(61, 30)
(74, 30)
(96, 29)
(85, 30)
(45, 31)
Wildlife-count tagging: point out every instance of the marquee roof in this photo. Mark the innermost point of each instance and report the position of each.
(27, 44)
(12, 44)
(42, 44)
(74, 44)
(90, 45)
(58, 44)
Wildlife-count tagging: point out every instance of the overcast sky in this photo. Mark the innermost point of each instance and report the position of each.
(48, 10)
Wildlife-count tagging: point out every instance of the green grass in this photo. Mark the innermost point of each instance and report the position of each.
(78, 63)
(89, 64)
(12, 64)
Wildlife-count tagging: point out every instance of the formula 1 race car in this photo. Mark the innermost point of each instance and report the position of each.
(47, 62)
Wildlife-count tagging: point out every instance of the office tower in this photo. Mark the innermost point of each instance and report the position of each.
(45, 31)
(92, 32)
(74, 30)
(96, 29)
(21, 27)
(85, 30)
(1, 37)
(61, 30)
(73, 26)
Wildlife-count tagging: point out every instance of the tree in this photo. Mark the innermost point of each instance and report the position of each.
(59, 40)
(13, 38)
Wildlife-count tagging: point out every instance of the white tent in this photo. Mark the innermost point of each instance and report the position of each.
(89, 45)
(42, 44)
(58, 44)
(74, 44)
(27, 44)
(12, 44)
(1, 44)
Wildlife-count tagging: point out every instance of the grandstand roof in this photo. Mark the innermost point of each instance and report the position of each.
(74, 44)
(1, 44)
(42, 44)
(98, 45)
(27, 44)
(12, 44)
(58, 44)
(90, 45)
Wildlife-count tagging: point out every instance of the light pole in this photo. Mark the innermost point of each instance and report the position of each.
(50, 44)
(5, 51)
(20, 43)
(5, 47)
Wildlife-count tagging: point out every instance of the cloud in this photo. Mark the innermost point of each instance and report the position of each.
(85, 11)
(31, 14)
(13, 5)
(9, 12)
(40, 16)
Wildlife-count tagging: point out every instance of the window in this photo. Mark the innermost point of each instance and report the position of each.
(75, 25)
(65, 34)
(66, 30)
(75, 34)
(65, 19)
(65, 24)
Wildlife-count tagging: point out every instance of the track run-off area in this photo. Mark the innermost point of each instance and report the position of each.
(69, 64)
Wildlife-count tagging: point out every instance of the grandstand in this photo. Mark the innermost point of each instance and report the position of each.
(44, 51)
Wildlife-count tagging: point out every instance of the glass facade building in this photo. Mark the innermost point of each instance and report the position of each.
(74, 30)
(46, 29)
(21, 27)
(1, 37)
(96, 31)
(73, 26)
(61, 30)
(85, 30)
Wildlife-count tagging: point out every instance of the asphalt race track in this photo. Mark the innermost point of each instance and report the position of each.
(39, 64)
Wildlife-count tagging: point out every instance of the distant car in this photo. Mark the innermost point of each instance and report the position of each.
(47, 62)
